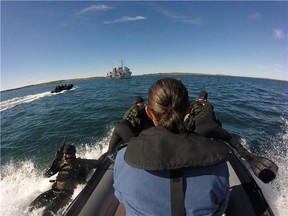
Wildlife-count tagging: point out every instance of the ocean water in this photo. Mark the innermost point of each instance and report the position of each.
(35, 121)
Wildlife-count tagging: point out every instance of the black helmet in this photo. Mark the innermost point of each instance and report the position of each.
(138, 99)
(203, 95)
(69, 150)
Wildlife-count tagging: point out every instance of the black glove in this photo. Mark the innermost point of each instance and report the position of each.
(47, 173)
(59, 154)
(55, 165)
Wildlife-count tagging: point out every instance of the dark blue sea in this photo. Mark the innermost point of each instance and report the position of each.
(35, 121)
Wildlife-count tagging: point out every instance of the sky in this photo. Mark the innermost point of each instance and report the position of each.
(44, 41)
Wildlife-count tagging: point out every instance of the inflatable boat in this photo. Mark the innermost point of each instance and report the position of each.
(60, 88)
(97, 197)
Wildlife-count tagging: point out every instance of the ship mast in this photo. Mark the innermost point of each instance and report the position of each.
(122, 63)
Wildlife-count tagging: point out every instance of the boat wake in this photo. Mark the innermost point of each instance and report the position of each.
(8, 104)
(276, 191)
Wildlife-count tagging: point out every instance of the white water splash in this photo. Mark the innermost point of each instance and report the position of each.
(278, 188)
(8, 104)
(21, 183)
(19, 186)
(276, 191)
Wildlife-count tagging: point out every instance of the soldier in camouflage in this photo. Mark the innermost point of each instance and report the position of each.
(136, 112)
(72, 171)
(133, 122)
(203, 120)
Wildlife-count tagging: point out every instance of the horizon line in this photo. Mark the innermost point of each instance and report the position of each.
(146, 74)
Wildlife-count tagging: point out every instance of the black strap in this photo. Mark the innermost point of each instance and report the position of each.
(177, 193)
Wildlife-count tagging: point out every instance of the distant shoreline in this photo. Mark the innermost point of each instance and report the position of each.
(53, 82)
(148, 74)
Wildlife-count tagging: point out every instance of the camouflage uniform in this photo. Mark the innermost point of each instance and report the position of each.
(133, 122)
(201, 113)
(71, 173)
(134, 115)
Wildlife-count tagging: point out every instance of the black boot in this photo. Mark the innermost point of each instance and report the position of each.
(262, 167)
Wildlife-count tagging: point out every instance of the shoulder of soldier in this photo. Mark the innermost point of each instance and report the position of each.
(208, 103)
(131, 109)
(195, 104)
(192, 104)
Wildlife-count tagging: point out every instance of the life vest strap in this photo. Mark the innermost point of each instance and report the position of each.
(177, 193)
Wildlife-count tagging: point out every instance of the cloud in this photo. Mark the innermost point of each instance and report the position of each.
(124, 19)
(176, 16)
(195, 22)
(170, 14)
(94, 8)
(255, 16)
(278, 34)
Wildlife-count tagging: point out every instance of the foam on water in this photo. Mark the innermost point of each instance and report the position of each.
(276, 191)
(8, 104)
(21, 183)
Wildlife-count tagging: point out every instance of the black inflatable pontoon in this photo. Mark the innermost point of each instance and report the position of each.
(62, 88)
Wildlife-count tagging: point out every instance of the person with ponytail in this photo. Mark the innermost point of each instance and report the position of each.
(167, 171)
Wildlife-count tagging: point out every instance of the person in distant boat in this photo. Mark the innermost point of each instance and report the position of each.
(167, 171)
(133, 122)
(202, 120)
(72, 171)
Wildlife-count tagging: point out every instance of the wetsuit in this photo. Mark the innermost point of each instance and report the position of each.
(122, 133)
(53, 200)
(71, 173)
